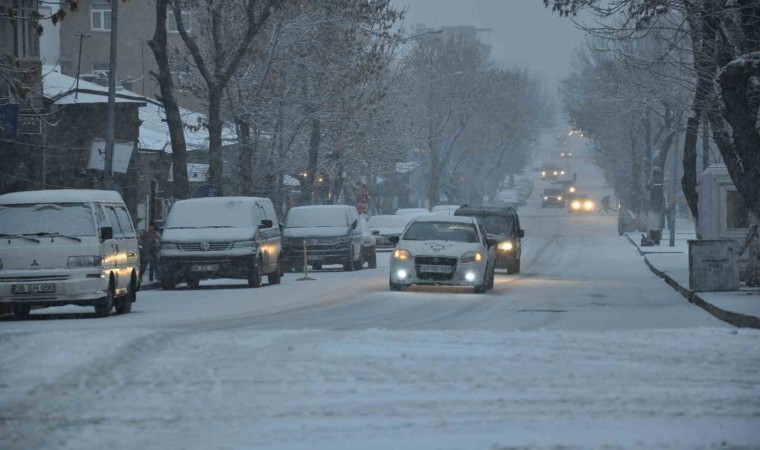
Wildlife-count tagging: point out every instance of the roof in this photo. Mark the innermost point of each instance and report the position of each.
(154, 131)
(454, 219)
(60, 196)
(484, 211)
(62, 90)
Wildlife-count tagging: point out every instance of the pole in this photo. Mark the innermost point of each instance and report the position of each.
(79, 62)
(111, 97)
(705, 142)
(305, 276)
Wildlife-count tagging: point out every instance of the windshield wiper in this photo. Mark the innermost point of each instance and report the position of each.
(51, 234)
(216, 226)
(177, 228)
(20, 237)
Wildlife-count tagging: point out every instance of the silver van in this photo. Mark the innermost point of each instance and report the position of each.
(220, 237)
(67, 247)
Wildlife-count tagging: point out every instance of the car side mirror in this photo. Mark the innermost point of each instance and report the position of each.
(376, 232)
(491, 242)
(354, 224)
(106, 233)
(393, 240)
(266, 223)
(521, 233)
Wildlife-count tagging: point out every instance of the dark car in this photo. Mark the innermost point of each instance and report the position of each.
(581, 203)
(503, 226)
(553, 197)
(551, 172)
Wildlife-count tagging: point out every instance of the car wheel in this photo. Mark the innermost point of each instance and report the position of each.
(104, 306)
(124, 303)
(22, 311)
(514, 267)
(491, 279)
(276, 276)
(193, 283)
(373, 259)
(480, 289)
(254, 276)
(359, 265)
(395, 286)
(349, 264)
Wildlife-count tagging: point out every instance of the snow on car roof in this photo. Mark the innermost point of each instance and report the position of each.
(208, 200)
(61, 196)
(336, 207)
(452, 219)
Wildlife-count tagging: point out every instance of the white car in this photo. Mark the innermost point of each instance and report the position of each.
(436, 250)
(383, 227)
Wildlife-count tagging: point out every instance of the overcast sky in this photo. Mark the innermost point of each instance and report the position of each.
(523, 31)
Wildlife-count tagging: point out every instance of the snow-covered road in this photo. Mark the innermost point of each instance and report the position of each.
(585, 348)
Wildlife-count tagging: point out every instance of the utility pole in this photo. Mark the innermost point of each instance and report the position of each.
(79, 62)
(108, 169)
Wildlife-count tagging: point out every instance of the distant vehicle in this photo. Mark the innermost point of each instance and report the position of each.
(385, 226)
(551, 172)
(330, 234)
(581, 203)
(437, 250)
(220, 237)
(67, 247)
(503, 226)
(444, 210)
(553, 197)
(566, 155)
(510, 197)
(369, 246)
(412, 212)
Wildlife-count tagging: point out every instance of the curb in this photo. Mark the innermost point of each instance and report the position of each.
(733, 318)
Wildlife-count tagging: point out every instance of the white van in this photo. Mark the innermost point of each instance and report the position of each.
(220, 237)
(67, 246)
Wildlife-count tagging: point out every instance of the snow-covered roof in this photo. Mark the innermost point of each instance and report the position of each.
(154, 131)
(62, 90)
(60, 196)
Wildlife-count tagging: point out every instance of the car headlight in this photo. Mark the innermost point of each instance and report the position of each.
(572, 189)
(244, 244)
(576, 205)
(506, 246)
(543, 174)
(588, 205)
(471, 257)
(168, 246)
(84, 261)
(546, 197)
(559, 198)
(401, 255)
(555, 172)
(562, 172)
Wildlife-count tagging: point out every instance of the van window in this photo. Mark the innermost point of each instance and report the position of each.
(316, 217)
(71, 219)
(223, 213)
(118, 233)
(125, 222)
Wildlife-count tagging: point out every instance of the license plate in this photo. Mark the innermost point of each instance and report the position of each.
(314, 257)
(204, 268)
(436, 269)
(46, 288)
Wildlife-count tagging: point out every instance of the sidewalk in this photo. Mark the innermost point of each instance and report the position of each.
(740, 308)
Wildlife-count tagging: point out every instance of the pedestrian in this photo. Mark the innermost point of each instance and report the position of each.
(149, 242)
(605, 204)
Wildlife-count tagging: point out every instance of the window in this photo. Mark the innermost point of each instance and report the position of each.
(171, 23)
(114, 219)
(737, 216)
(100, 13)
(125, 222)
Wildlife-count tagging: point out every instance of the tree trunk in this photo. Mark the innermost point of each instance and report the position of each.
(434, 178)
(215, 158)
(689, 179)
(657, 192)
(246, 158)
(311, 169)
(181, 185)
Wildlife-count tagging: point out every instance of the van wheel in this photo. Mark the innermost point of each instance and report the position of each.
(22, 311)
(276, 276)
(348, 266)
(373, 259)
(254, 276)
(104, 306)
(124, 303)
(359, 265)
(514, 267)
(193, 283)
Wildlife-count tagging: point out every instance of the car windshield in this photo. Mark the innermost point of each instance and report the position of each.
(496, 224)
(553, 192)
(316, 217)
(70, 219)
(441, 231)
(217, 214)
(388, 221)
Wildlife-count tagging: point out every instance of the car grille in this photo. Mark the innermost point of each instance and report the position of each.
(435, 261)
(33, 278)
(196, 246)
(314, 244)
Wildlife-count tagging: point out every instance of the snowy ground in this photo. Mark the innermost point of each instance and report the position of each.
(584, 349)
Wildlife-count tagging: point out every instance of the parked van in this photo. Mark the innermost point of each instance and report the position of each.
(220, 237)
(59, 247)
(330, 233)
